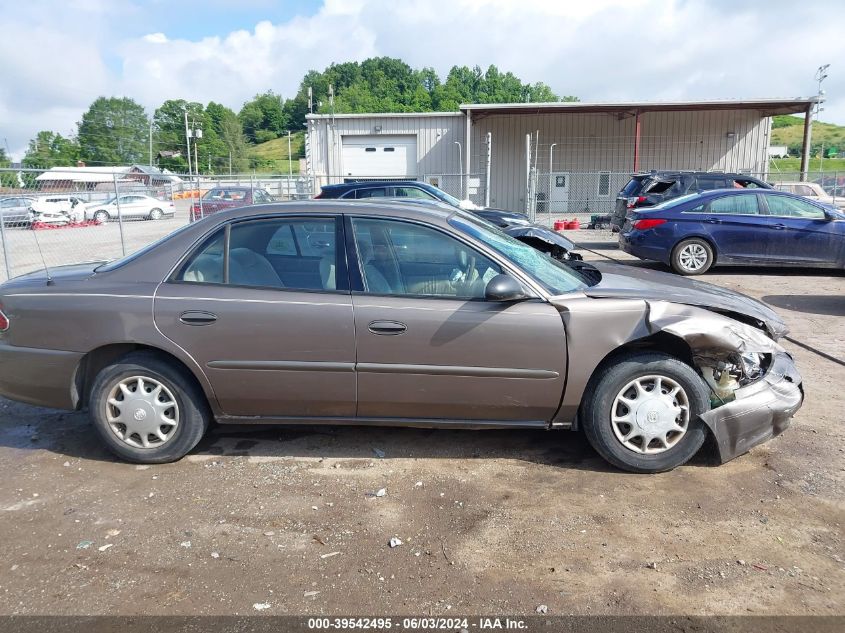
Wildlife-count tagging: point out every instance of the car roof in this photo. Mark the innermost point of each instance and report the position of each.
(373, 183)
(685, 172)
(332, 205)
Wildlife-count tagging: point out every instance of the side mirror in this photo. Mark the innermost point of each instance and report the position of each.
(504, 288)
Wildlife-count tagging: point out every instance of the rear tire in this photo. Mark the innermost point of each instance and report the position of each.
(154, 391)
(692, 256)
(156, 214)
(604, 410)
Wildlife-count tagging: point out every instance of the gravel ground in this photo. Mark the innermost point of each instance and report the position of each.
(495, 521)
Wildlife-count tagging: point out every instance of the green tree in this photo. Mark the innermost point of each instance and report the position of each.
(113, 132)
(7, 178)
(50, 149)
(263, 118)
(232, 143)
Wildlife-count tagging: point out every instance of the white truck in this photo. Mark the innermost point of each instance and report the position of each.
(778, 151)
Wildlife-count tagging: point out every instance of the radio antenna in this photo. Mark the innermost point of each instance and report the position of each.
(41, 254)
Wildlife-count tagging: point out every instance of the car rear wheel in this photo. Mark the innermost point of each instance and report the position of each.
(101, 217)
(641, 414)
(692, 257)
(156, 214)
(146, 410)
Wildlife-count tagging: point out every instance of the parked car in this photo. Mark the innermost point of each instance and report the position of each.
(132, 206)
(58, 209)
(516, 224)
(16, 210)
(654, 187)
(812, 191)
(391, 314)
(759, 227)
(220, 198)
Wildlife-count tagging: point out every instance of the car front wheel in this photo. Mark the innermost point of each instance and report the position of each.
(101, 217)
(642, 413)
(692, 257)
(146, 410)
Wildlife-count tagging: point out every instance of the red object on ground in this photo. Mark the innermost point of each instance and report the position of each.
(560, 225)
(38, 226)
(575, 224)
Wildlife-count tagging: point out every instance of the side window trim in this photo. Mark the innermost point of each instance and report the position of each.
(343, 271)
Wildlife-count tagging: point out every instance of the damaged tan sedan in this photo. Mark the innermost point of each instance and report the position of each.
(392, 314)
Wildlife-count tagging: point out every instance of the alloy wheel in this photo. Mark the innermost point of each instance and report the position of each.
(692, 257)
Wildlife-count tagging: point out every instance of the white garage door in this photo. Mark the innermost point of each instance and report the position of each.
(380, 156)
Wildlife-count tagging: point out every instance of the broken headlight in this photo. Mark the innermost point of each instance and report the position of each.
(752, 366)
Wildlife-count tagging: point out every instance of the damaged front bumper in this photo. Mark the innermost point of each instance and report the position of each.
(759, 412)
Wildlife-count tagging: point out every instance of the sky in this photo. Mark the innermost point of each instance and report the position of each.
(59, 55)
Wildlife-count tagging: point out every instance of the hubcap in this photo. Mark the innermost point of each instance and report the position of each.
(650, 414)
(693, 257)
(142, 412)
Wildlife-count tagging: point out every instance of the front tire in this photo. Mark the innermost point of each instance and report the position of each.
(101, 216)
(693, 256)
(146, 410)
(642, 413)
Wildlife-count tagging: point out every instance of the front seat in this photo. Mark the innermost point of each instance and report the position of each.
(248, 268)
(206, 269)
(373, 279)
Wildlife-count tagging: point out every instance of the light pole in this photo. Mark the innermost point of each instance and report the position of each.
(820, 76)
(460, 166)
(290, 161)
(551, 169)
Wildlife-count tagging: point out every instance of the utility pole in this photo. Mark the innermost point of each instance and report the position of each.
(290, 161)
(151, 142)
(820, 76)
(188, 141)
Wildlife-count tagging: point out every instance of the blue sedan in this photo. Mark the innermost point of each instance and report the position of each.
(754, 227)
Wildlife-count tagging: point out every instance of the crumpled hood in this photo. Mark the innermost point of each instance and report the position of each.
(540, 232)
(630, 282)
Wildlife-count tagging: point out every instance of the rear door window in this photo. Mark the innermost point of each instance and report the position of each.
(706, 183)
(659, 186)
(633, 187)
(735, 205)
(371, 192)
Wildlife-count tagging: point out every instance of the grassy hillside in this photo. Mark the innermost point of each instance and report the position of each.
(789, 131)
(272, 156)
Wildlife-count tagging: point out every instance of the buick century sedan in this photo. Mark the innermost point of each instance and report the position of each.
(330, 312)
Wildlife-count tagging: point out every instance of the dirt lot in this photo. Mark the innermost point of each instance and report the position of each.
(490, 521)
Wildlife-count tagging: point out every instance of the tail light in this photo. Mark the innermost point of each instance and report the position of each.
(318, 196)
(635, 200)
(4, 321)
(643, 225)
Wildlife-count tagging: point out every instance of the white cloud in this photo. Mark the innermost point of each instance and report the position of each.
(598, 50)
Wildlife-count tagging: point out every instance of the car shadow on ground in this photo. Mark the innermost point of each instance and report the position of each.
(827, 305)
(70, 436)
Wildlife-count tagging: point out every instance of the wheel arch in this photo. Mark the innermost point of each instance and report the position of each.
(662, 342)
(94, 361)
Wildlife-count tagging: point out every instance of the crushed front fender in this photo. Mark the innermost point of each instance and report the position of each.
(760, 411)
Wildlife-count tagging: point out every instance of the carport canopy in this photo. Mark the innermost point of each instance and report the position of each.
(766, 108)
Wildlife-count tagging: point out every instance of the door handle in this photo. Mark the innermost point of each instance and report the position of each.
(387, 328)
(714, 220)
(197, 317)
(779, 226)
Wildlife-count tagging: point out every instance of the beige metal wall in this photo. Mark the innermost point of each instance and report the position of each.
(731, 140)
(436, 134)
(734, 140)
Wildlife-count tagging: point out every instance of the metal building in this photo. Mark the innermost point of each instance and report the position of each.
(557, 157)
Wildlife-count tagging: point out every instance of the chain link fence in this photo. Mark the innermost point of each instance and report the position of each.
(51, 222)
(52, 219)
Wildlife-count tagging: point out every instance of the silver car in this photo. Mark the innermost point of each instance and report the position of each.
(16, 210)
